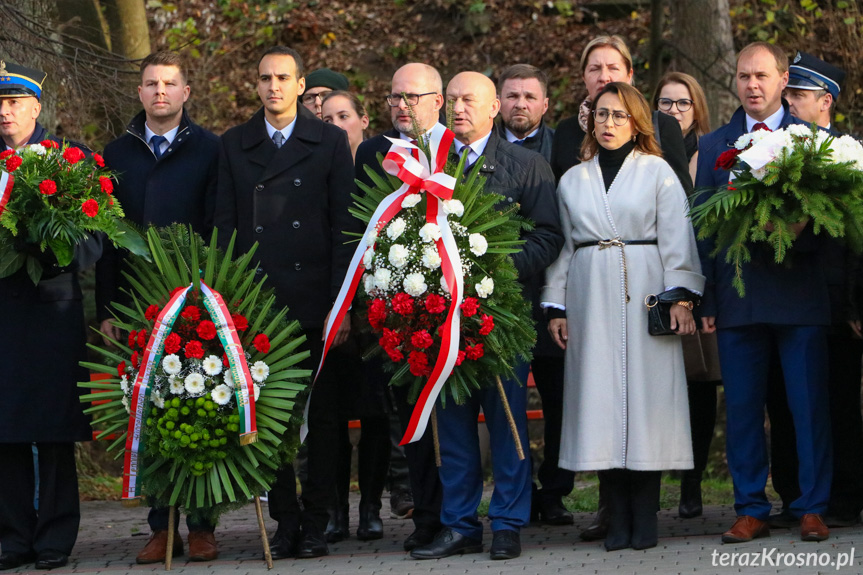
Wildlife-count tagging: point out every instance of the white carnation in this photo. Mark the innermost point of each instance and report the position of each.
(124, 383)
(125, 402)
(260, 371)
(800, 130)
(430, 233)
(396, 228)
(411, 200)
(176, 385)
(368, 257)
(194, 384)
(158, 401)
(372, 237)
(415, 284)
(38, 149)
(478, 244)
(221, 394)
(369, 282)
(171, 364)
(431, 257)
(383, 277)
(485, 287)
(212, 365)
(257, 389)
(398, 255)
(743, 141)
(228, 378)
(453, 207)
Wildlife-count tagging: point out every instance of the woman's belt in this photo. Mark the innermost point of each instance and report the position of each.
(602, 244)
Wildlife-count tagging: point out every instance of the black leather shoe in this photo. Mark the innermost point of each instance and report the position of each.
(371, 527)
(284, 543)
(783, 520)
(421, 537)
(10, 560)
(552, 512)
(506, 544)
(690, 495)
(312, 544)
(597, 530)
(447, 543)
(338, 527)
(841, 520)
(51, 559)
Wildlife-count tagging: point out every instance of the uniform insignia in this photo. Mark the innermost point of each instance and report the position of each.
(798, 57)
(2, 68)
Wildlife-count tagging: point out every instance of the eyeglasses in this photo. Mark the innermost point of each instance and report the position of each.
(619, 118)
(410, 99)
(309, 99)
(665, 104)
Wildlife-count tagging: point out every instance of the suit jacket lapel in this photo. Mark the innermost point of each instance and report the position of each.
(306, 131)
(255, 143)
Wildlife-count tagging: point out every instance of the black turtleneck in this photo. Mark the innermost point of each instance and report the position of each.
(690, 142)
(611, 160)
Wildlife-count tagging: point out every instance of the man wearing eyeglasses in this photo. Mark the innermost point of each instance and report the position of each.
(320, 83)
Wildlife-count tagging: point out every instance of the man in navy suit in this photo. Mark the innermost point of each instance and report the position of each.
(786, 310)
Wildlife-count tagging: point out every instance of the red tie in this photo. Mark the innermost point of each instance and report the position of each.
(414, 151)
(760, 126)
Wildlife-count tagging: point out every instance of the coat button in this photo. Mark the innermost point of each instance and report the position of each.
(484, 167)
(259, 187)
(259, 271)
(297, 266)
(259, 229)
(296, 224)
(509, 199)
(298, 182)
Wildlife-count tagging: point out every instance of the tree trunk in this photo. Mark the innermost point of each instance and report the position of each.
(704, 47)
(130, 33)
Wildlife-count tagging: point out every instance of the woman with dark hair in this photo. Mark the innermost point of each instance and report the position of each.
(346, 111)
(624, 215)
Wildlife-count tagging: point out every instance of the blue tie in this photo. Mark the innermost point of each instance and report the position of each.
(519, 142)
(278, 139)
(156, 142)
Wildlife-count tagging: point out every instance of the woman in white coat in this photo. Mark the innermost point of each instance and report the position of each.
(624, 216)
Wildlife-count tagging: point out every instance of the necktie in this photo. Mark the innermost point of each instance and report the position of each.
(519, 142)
(156, 142)
(760, 126)
(278, 139)
(415, 152)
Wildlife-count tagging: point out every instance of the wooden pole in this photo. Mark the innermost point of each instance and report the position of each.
(435, 436)
(267, 555)
(510, 418)
(169, 552)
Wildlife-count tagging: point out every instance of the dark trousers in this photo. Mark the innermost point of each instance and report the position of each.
(373, 452)
(548, 376)
(744, 354)
(702, 420)
(398, 478)
(157, 518)
(54, 527)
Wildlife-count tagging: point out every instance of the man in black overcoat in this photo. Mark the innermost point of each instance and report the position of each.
(42, 339)
(285, 181)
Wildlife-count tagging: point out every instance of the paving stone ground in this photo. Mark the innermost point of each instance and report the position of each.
(111, 535)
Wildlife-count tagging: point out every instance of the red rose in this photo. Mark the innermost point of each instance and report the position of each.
(133, 337)
(136, 361)
(487, 324)
(173, 343)
(403, 304)
(191, 313)
(152, 312)
(469, 306)
(474, 352)
(240, 322)
(390, 339)
(6, 154)
(73, 155)
(419, 363)
(100, 161)
(194, 349)
(395, 355)
(121, 369)
(142, 339)
(261, 343)
(460, 357)
(90, 208)
(435, 303)
(421, 339)
(49, 144)
(377, 314)
(726, 159)
(106, 184)
(206, 329)
(13, 163)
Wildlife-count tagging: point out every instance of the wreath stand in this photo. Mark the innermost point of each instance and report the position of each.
(169, 552)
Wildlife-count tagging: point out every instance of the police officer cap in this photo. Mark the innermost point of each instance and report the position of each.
(326, 78)
(810, 73)
(17, 81)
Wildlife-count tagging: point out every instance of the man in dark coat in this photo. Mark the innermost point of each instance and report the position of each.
(285, 181)
(166, 173)
(786, 310)
(522, 177)
(42, 338)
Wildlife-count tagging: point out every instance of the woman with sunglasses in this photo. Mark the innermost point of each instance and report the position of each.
(624, 217)
(680, 96)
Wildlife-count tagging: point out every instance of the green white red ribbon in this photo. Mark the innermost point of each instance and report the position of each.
(7, 180)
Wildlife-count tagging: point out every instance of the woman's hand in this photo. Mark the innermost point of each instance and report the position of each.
(682, 321)
(557, 329)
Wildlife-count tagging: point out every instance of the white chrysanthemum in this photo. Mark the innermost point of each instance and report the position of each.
(124, 383)
(125, 402)
(415, 284)
(801, 130)
(194, 384)
(431, 258)
(478, 244)
(398, 255)
(158, 401)
(430, 233)
(372, 238)
(212, 365)
(743, 141)
(443, 284)
(38, 149)
(228, 378)
(221, 394)
(411, 200)
(396, 228)
(176, 385)
(257, 389)
(369, 282)
(485, 287)
(368, 257)
(453, 207)
(759, 173)
(171, 364)
(260, 371)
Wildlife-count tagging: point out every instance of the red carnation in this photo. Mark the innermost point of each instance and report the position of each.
(136, 361)
(191, 313)
(133, 337)
(49, 144)
(240, 322)
(261, 343)
(403, 304)
(421, 339)
(174, 292)
(487, 324)
(474, 352)
(469, 306)
(100, 161)
(173, 343)
(13, 162)
(727, 159)
(106, 184)
(435, 303)
(225, 361)
(206, 329)
(395, 355)
(6, 154)
(377, 314)
(73, 155)
(152, 312)
(194, 349)
(90, 208)
(48, 187)
(121, 369)
(460, 357)
(419, 363)
(390, 339)
(142, 339)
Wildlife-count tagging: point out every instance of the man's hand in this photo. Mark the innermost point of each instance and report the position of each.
(856, 327)
(108, 329)
(708, 324)
(682, 321)
(558, 330)
(343, 331)
(795, 228)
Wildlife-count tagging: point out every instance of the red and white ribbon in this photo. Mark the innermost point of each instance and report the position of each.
(7, 180)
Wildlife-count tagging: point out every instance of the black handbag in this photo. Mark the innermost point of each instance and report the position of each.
(659, 309)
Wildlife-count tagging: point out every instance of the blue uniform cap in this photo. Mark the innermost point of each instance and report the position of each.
(17, 81)
(810, 73)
